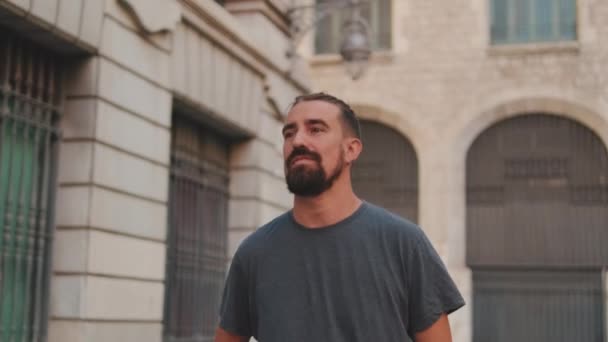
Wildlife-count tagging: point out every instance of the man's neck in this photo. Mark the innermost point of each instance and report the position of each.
(328, 208)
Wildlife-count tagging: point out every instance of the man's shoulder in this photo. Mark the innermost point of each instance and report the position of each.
(263, 235)
(386, 219)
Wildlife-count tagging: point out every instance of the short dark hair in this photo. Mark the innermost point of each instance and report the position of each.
(348, 114)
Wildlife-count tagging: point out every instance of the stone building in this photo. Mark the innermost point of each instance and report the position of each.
(139, 143)
(486, 121)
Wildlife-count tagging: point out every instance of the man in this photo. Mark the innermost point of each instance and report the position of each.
(334, 268)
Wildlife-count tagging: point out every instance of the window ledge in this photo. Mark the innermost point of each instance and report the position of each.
(378, 57)
(533, 48)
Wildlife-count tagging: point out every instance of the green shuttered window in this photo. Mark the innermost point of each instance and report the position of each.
(528, 21)
(29, 84)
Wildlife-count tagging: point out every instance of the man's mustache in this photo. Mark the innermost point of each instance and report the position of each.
(302, 152)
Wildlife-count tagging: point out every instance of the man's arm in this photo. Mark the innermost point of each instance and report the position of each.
(222, 335)
(438, 332)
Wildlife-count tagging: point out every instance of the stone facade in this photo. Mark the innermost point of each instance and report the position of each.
(130, 64)
(443, 83)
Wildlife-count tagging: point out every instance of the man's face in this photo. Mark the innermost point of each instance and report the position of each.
(312, 147)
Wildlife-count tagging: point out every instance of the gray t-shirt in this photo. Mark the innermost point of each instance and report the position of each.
(371, 277)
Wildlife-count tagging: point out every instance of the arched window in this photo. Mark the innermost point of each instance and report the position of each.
(537, 226)
(386, 173)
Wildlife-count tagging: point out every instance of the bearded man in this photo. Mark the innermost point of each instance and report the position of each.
(334, 268)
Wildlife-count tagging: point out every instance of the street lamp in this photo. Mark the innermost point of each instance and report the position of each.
(355, 45)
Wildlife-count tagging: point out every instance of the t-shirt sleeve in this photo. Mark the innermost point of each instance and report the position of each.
(432, 291)
(234, 309)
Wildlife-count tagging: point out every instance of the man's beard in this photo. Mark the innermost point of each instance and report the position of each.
(307, 180)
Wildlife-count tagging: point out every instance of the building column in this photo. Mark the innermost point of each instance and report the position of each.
(443, 218)
(257, 186)
(109, 251)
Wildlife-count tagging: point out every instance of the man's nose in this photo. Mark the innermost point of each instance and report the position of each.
(299, 139)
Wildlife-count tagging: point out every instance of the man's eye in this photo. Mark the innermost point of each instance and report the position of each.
(287, 135)
(316, 129)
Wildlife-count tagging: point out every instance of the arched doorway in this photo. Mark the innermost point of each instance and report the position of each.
(537, 226)
(386, 173)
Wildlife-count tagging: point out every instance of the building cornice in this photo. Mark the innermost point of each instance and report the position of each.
(216, 22)
(154, 16)
(271, 9)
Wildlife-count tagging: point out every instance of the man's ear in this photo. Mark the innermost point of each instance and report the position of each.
(353, 149)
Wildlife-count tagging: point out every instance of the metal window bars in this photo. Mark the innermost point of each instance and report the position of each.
(29, 97)
(197, 234)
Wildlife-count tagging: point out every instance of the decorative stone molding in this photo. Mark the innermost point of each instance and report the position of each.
(558, 103)
(400, 123)
(271, 9)
(154, 16)
(280, 94)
